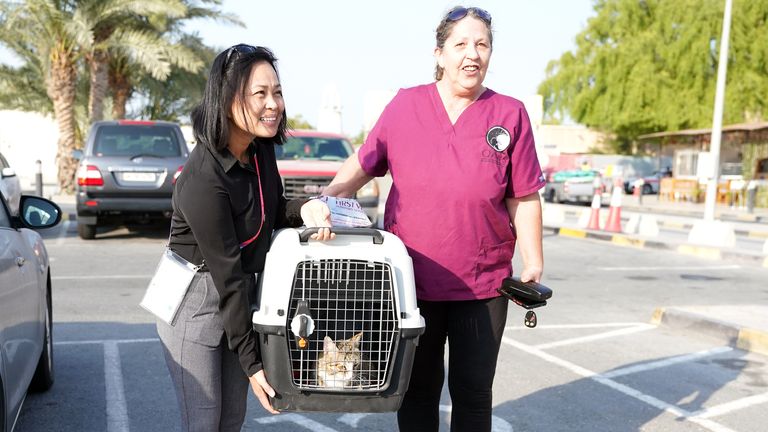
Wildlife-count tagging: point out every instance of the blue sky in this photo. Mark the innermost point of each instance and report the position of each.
(361, 46)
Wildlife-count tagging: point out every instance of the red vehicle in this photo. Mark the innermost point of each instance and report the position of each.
(309, 160)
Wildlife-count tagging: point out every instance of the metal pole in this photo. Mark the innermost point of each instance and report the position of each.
(717, 117)
(39, 178)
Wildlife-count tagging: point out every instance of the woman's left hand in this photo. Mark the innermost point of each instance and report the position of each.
(316, 213)
(262, 390)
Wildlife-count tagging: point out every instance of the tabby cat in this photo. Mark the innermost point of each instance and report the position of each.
(341, 364)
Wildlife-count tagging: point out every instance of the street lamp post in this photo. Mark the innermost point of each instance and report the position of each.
(717, 117)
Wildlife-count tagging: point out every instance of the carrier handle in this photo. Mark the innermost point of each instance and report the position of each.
(377, 237)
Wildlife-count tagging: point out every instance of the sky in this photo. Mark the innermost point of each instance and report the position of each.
(361, 46)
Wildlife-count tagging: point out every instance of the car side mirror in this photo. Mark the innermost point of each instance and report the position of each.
(8, 172)
(77, 154)
(37, 213)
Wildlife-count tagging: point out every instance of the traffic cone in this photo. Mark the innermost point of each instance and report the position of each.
(613, 223)
(594, 218)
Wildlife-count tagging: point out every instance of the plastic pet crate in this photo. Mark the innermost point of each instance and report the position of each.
(357, 288)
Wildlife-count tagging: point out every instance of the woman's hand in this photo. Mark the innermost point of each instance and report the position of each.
(531, 274)
(261, 389)
(316, 213)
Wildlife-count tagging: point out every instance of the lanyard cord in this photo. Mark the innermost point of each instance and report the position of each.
(261, 196)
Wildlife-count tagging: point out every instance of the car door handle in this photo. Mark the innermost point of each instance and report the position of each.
(20, 261)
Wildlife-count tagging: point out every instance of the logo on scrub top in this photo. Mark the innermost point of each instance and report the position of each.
(498, 138)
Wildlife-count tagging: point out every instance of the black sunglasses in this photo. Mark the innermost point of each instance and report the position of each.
(460, 12)
(239, 49)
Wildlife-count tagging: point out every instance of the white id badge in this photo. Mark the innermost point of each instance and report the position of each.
(168, 286)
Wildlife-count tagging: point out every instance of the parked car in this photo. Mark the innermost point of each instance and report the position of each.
(650, 183)
(26, 337)
(127, 172)
(572, 186)
(9, 184)
(309, 160)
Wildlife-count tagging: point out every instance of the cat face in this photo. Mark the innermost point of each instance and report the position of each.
(336, 365)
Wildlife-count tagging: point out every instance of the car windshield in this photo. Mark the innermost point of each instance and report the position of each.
(136, 140)
(314, 148)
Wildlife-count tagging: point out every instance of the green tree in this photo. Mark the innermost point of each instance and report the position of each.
(298, 122)
(644, 66)
(173, 98)
(46, 34)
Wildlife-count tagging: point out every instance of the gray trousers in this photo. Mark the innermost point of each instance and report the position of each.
(211, 387)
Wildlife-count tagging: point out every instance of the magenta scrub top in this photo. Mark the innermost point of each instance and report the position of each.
(450, 182)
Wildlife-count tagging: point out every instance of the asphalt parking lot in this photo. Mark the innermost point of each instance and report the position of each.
(595, 362)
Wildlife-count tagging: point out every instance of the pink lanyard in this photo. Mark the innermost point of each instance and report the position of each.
(261, 196)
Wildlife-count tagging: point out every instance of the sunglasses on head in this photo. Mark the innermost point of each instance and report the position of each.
(239, 49)
(460, 12)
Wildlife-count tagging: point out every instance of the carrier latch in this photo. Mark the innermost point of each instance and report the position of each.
(302, 324)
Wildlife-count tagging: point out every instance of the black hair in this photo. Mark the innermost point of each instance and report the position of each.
(446, 26)
(226, 83)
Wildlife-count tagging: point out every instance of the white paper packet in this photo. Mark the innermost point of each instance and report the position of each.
(346, 212)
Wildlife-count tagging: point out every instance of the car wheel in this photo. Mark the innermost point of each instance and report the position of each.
(43, 378)
(647, 189)
(550, 196)
(86, 232)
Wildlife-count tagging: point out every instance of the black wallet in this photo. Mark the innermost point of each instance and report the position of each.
(526, 294)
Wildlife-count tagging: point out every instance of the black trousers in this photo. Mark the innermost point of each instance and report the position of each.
(473, 330)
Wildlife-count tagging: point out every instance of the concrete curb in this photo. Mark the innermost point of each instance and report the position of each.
(707, 252)
(744, 338)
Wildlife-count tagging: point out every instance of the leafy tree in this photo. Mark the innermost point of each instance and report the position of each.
(643, 66)
(46, 34)
(173, 98)
(298, 122)
(125, 78)
(359, 139)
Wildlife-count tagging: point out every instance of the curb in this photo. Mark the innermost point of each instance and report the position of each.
(747, 339)
(625, 240)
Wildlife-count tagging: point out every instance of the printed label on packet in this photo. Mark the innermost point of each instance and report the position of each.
(346, 212)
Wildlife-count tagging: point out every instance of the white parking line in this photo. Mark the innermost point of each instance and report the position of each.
(117, 408)
(654, 268)
(64, 230)
(576, 326)
(594, 337)
(93, 277)
(732, 406)
(666, 362)
(626, 390)
(299, 420)
(107, 341)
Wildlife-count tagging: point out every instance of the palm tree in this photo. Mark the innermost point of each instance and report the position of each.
(125, 76)
(47, 35)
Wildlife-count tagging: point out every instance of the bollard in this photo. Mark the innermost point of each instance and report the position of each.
(751, 196)
(39, 178)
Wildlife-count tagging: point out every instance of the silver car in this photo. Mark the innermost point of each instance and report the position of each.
(9, 184)
(127, 172)
(26, 344)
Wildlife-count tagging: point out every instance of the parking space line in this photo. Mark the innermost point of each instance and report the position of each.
(64, 230)
(93, 277)
(666, 362)
(621, 388)
(576, 326)
(729, 407)
(594, 337)
(655, 268)
(117, 409)
(106, 341)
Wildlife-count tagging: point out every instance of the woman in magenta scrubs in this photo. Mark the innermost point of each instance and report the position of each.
(465, 190)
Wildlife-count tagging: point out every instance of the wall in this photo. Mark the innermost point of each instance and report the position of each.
(26, 137)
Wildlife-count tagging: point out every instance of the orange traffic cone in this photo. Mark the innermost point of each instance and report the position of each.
(613, 223)
(594, 217)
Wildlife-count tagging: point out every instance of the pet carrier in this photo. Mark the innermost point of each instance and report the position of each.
(338, 322)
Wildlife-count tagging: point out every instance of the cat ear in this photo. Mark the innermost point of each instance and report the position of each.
(329, 345)
(356, 339)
